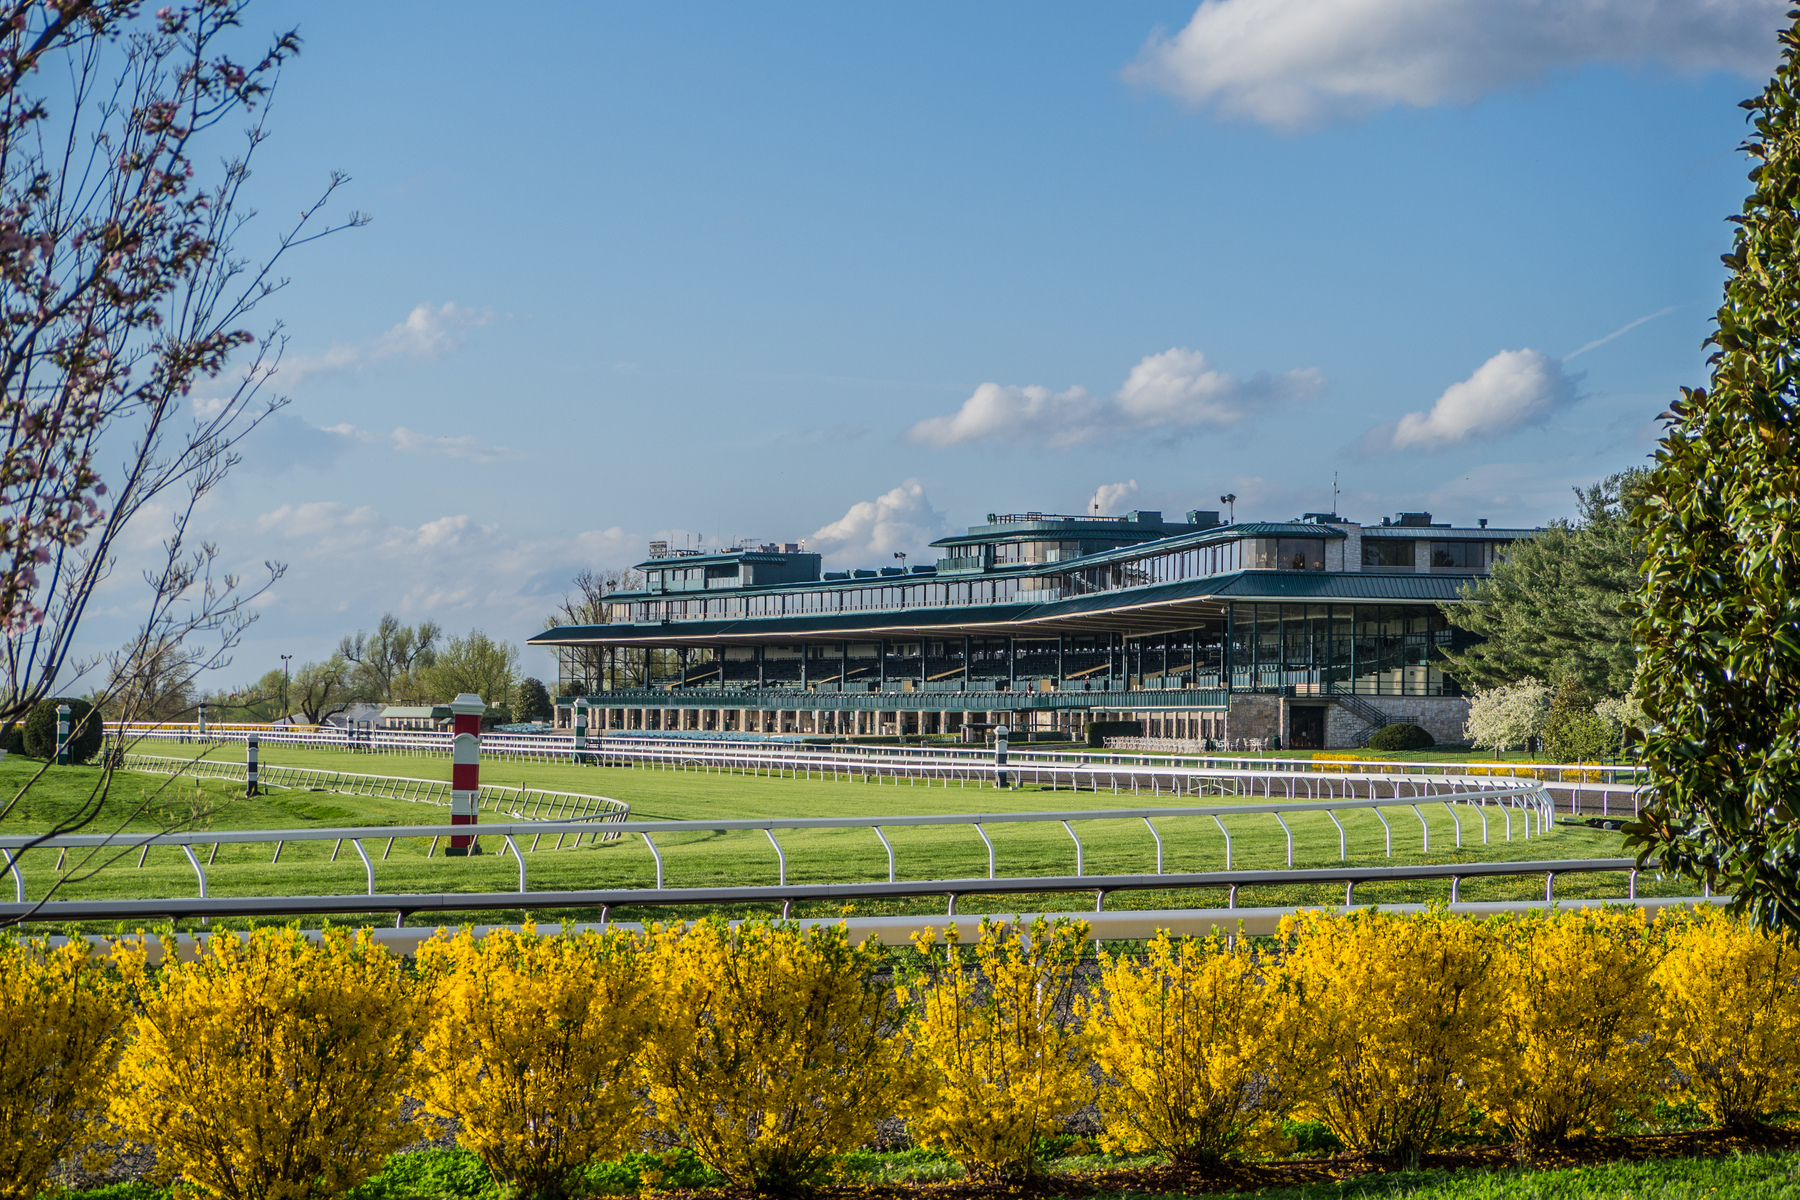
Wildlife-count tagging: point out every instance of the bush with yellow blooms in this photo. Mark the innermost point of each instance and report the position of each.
(1577, 1038)
(1400, 1009)
(269, 1068)
(532, 1049)
(1006, 1062)
(1199, 1042)
(60, 1008)
(1731, 1014)
(773, 1047)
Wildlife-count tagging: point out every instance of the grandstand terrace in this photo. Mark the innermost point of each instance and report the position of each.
(1316, 630)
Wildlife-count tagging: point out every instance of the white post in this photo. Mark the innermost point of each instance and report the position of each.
(1000, 734)
(250, 747)
(581, 727)
(465, 770)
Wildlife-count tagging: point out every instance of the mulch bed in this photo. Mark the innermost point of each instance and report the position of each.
(1252, 1176)
(1223, 1177)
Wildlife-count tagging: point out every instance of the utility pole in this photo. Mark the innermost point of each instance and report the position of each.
(1230, 503)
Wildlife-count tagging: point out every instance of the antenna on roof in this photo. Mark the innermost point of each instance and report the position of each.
(1334, 493)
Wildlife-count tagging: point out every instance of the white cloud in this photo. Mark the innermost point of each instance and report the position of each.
(1297, 63)
(408, 441)
(426, 333)
(873, 530)
(998, 412)
(1109, 498)
(1512, 389)
(1177, 390)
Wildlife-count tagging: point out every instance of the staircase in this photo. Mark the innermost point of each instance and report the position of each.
(1365, 712)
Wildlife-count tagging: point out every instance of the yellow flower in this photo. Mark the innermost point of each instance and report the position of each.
(270, 1067)
(1004, 1065)
(61, 1012)
(532, 1048)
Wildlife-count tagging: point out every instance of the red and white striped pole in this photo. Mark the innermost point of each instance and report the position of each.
(465, 769)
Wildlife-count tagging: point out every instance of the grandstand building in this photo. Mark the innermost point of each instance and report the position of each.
(1316, 631)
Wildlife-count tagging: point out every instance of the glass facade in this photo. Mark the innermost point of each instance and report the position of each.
(1319, 649)
(1289, 554)
(1310, 649)
(1458, 556)
(1390, 553)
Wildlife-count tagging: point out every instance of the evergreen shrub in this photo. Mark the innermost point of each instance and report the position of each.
(1401, 736)
(85, 735)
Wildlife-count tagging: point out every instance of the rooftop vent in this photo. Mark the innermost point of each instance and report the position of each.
(1205, 518)
(892, 571)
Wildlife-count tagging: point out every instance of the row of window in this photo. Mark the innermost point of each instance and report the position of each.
(1395, 554)
(1310, 648)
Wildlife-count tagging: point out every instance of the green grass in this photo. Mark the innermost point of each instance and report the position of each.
(745, 857)
(458, 1175)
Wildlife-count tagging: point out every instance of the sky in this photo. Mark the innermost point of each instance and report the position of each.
(862, 274)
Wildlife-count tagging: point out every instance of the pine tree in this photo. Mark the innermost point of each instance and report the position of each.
(1718, 619)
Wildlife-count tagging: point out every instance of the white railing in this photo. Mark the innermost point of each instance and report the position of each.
(527, 804)
(1530, 806)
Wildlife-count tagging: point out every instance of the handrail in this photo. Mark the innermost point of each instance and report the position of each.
(404, 904)
(562, 745)
(611, 826)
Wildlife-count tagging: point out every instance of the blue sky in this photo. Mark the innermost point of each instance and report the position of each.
(862, 274)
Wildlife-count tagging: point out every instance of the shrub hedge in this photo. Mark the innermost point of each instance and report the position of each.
(1401, 736)
(86, 732)
(284, 1064)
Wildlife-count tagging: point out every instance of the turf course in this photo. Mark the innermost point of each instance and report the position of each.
(746, 858)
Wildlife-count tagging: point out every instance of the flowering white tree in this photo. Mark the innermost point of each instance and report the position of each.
(122, 177)
(1507, 716)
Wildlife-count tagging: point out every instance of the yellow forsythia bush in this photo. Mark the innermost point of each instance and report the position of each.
(1400, 1009)
(1006, 1061)
(270, 1068)
(1730, 1014)
(773, 1047)
(532, 1047)
(1576, 1030)
(60, 1011)
(1200, 1046)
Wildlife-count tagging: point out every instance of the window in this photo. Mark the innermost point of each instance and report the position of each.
(1458, 556)
(1290, 554)
(1390, 553)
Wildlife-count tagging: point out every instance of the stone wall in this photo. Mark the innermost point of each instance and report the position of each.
(1442, 717)
(1253, 716)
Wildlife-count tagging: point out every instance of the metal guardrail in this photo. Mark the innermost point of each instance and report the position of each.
(1087, 773)
(526, 803)
(561, 746)
(408, 904)
(1531, 807)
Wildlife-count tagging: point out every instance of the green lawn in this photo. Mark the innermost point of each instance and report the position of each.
(746, 858)
(458, 1175)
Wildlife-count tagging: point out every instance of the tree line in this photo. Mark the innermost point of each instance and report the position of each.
(397, 664)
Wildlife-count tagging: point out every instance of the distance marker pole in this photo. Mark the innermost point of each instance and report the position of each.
(581, 714)
(1000, 756)
(250, 748)
(62, 735)
(465, 770)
